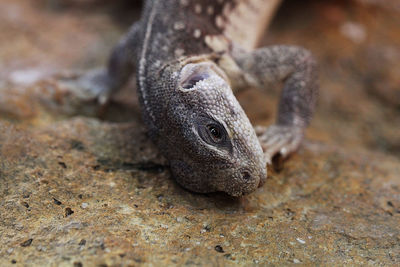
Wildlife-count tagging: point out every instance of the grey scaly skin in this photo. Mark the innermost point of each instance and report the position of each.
(188, 55)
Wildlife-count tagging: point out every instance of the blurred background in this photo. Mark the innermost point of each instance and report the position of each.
(357, 44)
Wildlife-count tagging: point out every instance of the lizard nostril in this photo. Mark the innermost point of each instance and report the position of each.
(246, 175)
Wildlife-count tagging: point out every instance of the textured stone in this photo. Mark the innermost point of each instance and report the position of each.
(80, 191)
(327, 205)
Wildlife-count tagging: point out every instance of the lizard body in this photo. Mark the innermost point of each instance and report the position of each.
(188, 55)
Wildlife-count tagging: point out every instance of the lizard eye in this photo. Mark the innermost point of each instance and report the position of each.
(212, 132)
(191, 81)
(215, 132)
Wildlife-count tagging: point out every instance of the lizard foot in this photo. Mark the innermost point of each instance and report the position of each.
(92, 86)
(278, 139)
(83, 93)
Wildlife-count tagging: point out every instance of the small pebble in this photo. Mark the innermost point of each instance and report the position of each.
(19, 227)
(68, 212)
(40, 248)
(56, 201)
(301, 241)
(219, 249)
(26, 243)
(84, 205)
(25, 204)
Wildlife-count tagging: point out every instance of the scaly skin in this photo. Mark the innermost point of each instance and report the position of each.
(188, 54)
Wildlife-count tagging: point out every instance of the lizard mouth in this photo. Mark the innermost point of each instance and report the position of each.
(263, 179)
(261, 183)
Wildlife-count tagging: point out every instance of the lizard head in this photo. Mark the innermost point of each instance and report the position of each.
(211, 143)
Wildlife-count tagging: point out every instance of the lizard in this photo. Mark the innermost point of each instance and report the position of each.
(190, 57)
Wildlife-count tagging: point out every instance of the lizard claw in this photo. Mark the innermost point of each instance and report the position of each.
(279, 139)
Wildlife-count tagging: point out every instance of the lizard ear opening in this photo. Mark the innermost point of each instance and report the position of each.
(191, 74)
(191, 81)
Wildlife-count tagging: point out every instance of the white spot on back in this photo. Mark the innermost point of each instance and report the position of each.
(210, 10)
(219, 21)
(184, 2)
(197, 8)
(179, 25)
(197, 33)
(217, 43)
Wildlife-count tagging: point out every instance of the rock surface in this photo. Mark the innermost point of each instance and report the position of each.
(79, 191)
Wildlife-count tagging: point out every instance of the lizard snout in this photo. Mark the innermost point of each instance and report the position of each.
(252, 179)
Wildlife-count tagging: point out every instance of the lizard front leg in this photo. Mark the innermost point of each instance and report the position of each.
(100, 84)
(295, 67)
